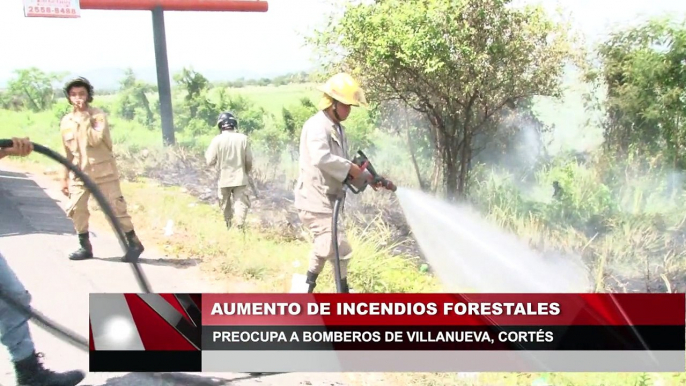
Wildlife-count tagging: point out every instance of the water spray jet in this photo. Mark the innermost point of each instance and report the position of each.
(466, 251)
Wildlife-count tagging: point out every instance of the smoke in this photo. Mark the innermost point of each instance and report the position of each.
(675, 181)
(515, 146)
(648, 189)
(513, 154)
(470, 254)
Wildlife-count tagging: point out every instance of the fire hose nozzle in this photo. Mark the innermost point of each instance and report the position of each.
(360, 184)
(386, 184)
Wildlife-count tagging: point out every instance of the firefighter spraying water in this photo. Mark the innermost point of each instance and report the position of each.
(325, 172)
(464, 250)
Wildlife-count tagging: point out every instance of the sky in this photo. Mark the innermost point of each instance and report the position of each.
(232, 42)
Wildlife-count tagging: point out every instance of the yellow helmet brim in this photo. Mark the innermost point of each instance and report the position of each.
(344, 89)
(325, 102)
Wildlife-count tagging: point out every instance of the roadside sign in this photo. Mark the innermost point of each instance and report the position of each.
(52, 8)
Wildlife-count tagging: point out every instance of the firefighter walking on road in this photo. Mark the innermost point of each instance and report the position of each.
(87, 143)
(324, 167)
(14, 328)
(230, 153)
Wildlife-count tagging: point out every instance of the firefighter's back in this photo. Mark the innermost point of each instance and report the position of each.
(232, 158)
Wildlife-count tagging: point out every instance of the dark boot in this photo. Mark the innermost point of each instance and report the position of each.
(30, 372)
(136, 248)
(312, 281)
(86, 250)
(344, 285)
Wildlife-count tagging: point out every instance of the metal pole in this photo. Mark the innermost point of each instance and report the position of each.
(163, 78)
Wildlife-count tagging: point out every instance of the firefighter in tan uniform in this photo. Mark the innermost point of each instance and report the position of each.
(229, 152)
(324, 167)
(87, 143)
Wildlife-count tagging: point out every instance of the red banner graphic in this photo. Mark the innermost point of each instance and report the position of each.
(145, 322)
(145, 332)
(443, 309)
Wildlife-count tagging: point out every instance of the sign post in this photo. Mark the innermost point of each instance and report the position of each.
(52, 8)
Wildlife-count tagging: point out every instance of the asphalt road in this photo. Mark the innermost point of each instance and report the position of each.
(36, 238)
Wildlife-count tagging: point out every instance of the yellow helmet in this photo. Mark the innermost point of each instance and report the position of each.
(343, 88)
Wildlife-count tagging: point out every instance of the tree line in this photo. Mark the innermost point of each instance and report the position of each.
(37, 90)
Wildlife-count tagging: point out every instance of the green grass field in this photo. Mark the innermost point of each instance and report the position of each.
(274, 98)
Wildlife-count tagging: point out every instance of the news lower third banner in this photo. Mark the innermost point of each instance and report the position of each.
(387, 332)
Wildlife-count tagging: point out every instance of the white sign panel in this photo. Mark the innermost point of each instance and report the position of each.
(52, 8)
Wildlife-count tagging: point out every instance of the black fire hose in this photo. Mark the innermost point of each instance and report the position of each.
(61, 331)
(334, 241)
(334, 222)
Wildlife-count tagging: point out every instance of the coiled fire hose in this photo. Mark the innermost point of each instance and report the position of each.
(60, 331)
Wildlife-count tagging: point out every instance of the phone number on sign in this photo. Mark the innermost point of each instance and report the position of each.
(53, 10)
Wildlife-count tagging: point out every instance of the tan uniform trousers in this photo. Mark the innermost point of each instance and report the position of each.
(319, 225)
(78, 205)
(234, 201)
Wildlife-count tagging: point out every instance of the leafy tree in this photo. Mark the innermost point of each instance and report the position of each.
(456, 62)
(9, 101)
(295, 116)
(194, 84)
(129, 79)
(396, 117)
(60, 109)
(196, 114)
(250, 116)
(516, 143)
(133, 101)
(198, 111)
(358, 130)
(644, 71)
(33, 88)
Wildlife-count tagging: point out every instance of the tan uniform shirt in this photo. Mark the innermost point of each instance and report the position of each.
(87, 142)
(324, 165)
(230, 153)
